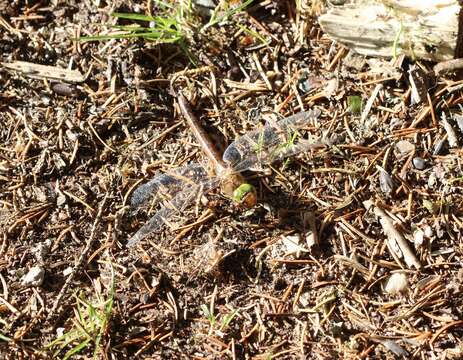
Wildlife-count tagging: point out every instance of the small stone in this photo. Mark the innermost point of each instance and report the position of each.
(404, 147)
(311, 239)
(385, 181)
(397, 283)
(428, 232)
(432, 180)
(60, 199)
(204, 200)
(459, 120)
(34, 277)
(395, 348)
(331, 87)
(418, 237)
(439, 147)
(338, 2)
(419, 163)
(204, 7)
(205, 3)
(354, 61)
(71, 135)
(145, 297)
(41, 250)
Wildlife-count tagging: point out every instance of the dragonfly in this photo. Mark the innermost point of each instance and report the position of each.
(177, 189)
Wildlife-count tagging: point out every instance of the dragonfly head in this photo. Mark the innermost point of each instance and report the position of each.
(235, 187)
(245, 194)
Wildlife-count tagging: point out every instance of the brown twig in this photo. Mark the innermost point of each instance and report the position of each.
(80, 261)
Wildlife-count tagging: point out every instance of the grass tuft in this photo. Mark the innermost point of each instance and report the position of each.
(161, 29)
(170, 26)
(89, 326)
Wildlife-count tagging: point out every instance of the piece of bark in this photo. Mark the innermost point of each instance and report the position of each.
(448, 66)
(396, 241)
(426, 30)
(38, 71)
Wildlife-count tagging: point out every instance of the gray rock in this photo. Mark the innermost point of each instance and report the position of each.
(419, 163)
(34, 277)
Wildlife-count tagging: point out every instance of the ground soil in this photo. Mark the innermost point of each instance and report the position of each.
(353, 251)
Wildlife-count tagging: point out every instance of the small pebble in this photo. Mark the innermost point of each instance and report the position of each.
(439, 147)
(385, 181)
(304, 85)
(418, 237)
(398, 282)
(65, 89)
(67, 271)
(206, 3)
(459, 120)
(395, 348)
(419, 163)
(404, 147)
(428, 231)
(41, 250)
(34, 277)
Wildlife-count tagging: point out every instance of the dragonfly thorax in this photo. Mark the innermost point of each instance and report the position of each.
(230, 181)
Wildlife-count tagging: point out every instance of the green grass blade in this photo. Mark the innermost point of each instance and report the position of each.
(254, 34)
(131, 27)
(5, 338)
(106, 37)
(76, 349)
(147, 35)
(228, 319)
(217, 20)
(163, 4)
(129, 16)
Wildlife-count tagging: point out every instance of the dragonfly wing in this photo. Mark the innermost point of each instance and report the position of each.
(272, 142)
(163, 186)
(172, 208)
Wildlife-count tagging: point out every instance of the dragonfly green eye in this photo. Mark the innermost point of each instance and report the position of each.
(242, 191)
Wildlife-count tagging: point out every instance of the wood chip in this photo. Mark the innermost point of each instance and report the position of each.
(451, 134)
(397, 242)
(38, 71)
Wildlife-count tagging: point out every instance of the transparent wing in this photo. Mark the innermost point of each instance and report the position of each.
(171, 209)
(163, 186)
(275, 141)
(187, 191)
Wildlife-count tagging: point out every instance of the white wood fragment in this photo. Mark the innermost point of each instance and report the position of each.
(369, 103)
(425, 29)
(451, 135)
(397, 243)
(38, 71)
(459, 120)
